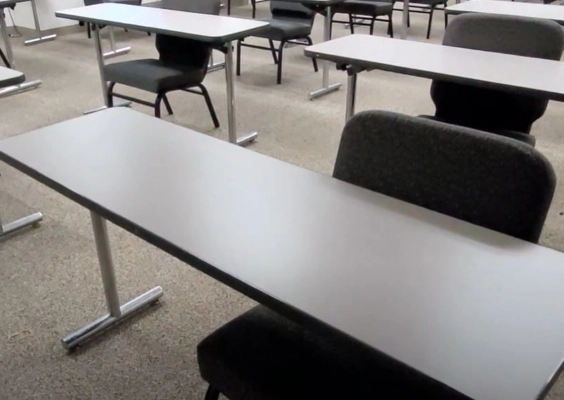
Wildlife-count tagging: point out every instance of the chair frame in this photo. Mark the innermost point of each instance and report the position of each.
(161, 96)
(354, 18)
(276, 53)
(425, 9)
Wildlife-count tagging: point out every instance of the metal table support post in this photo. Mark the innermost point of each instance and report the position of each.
(40, 38)
(404, 19)
(17, 225)
(10, 56)
(116, 313)
(351, 93)
(215, 66)
(113, 51)
(100, 60)
(231, 122)
(326, 87)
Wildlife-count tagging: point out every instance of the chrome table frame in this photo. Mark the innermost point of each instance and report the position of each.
(10, 56)
(113, 51)
(116, 312)
(19, 224)
(40, 38)
(326, 87)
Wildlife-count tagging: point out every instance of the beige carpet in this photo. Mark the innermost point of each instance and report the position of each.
(49, 278)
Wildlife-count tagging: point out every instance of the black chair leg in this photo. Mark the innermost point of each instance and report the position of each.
(238, 66)
(210, 105)
(351, 23)
(212, 393)
(273, 51)
(279, 73)
(430, 22)
(446, 15)
(110, 95)
(167, 105)
(228, 7)
(254, 5)
(372, 24)
(158, 105)
(408, 19)
(88, 30)
(5, 59)
(313, 59)
(390, 26)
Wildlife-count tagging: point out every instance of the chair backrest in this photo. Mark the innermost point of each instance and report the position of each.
(485, 179)
(187, 52)
(290, 9)
(211, 7)
(487, 109)
(181, 52)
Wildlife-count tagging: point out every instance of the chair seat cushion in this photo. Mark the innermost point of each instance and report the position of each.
(284, 28)
(153, 75)
(261, 355)
(364, 7)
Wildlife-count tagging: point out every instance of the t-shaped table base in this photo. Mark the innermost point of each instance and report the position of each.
(117, 313)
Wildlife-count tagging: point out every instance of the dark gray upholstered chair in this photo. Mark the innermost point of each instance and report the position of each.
(482, 178)
(290, 23)
(182, 65)
(361, 11)
(491, 110)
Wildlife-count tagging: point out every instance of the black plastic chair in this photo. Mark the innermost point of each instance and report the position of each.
(478, 177)
(492, 110)
(182, 65)
(290, 23)
(364, 13)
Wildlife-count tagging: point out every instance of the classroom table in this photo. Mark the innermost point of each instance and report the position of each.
(8, 47)
(517, 9)
(357, 53)
(40, 38)
(216, 30)
(475, 309)
(10, 78)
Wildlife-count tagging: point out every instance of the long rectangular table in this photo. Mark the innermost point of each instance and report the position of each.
(518, 74)
(477, 310)
(217, 30)
(514, 8)
(10, 78)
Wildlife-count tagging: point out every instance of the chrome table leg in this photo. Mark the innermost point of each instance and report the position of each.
(19, 224)
(116, 313)
(40, 38)
(231, 122)
(326, 88)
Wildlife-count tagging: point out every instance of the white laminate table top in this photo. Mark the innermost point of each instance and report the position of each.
(486, 69)
(515, 8)
(475, 309)
(9, 77)
(207, 28)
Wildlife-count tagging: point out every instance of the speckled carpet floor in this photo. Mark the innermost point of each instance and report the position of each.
(49, 278)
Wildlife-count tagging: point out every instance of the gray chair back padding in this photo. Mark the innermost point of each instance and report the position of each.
(487, 109)
(290, 9)
(180, 52)
(187, 52)
(482, 178)
(211, 7)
